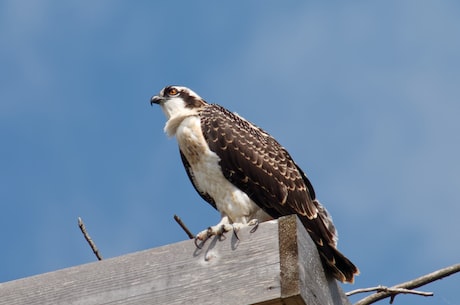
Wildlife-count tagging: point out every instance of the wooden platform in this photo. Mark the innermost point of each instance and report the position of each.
(277, 264)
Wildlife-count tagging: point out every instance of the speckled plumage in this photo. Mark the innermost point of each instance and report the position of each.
(245, 173)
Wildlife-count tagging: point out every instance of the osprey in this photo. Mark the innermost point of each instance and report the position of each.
(245, 173)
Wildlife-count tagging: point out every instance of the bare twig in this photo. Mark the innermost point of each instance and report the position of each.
(393, 291)
(88, 239)
(184, 227)
(406, 287)
(389, 289)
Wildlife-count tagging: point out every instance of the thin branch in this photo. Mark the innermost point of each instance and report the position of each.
(393, 291)
(88, 239)
(184, 227)
(406, 286)
(364, 290)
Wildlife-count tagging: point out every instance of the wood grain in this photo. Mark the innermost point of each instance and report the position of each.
(254, 269)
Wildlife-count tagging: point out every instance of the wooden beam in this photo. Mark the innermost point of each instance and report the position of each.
(277, 264)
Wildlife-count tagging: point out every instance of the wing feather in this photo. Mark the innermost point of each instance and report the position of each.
(257, 164)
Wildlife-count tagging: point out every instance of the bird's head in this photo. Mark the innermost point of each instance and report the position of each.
(176, 100)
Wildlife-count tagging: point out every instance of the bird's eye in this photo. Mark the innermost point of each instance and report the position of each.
(173, 92)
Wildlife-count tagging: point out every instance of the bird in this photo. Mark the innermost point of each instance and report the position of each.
(244, 173)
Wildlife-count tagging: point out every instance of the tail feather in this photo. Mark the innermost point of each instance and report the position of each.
(322, 231)
(337, 264)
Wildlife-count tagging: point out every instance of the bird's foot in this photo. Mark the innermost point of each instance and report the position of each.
(217, 230)
(221, 228)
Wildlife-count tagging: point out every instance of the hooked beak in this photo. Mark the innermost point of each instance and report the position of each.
(156, 100)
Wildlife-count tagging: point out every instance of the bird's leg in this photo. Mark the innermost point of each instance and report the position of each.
(219, 229)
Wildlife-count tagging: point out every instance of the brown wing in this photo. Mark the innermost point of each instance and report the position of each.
(257, 164)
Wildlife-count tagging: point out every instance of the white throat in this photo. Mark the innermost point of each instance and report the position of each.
(173, 106)
(175, 111)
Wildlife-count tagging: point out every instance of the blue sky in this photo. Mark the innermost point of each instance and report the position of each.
(364, 95)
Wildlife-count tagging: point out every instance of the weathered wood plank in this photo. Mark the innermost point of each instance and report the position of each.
(303, 280)
(254, 269)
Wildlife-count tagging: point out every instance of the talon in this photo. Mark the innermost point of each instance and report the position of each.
(203, 238)
(255, 223)
(199, 246)
(221, 232)
(235, 230)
